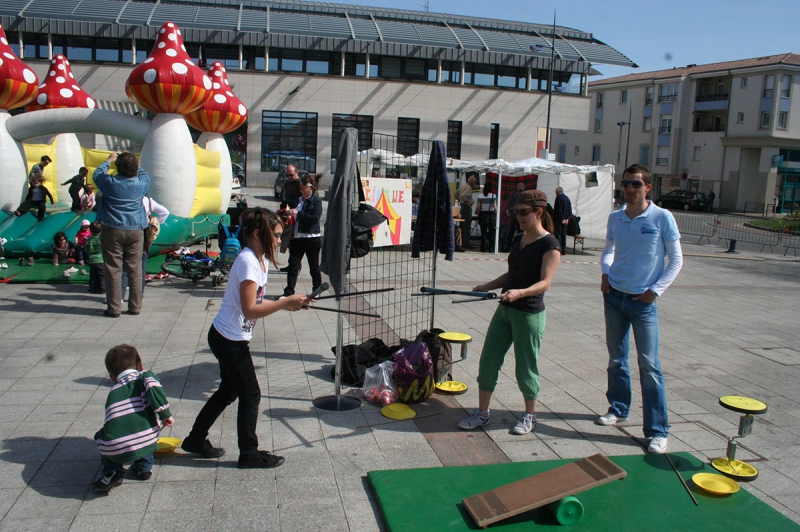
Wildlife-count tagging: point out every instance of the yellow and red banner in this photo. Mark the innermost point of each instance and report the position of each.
(392, 197)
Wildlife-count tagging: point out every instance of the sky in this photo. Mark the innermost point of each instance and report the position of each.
(655, 35)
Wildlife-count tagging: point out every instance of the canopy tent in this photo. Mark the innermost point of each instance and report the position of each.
(590, 188)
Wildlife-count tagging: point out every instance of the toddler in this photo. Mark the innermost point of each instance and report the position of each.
(134, 407)
(88, 199)
(63, 250)
(94, 251)
(80, 241)
(36, 199)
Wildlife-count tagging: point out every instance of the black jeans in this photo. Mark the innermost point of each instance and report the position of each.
(487, 220)
(97, 273)
(27, 205)
(513, 229)
(466, 227)
(310, 247)
(560, 231)
(237, 380)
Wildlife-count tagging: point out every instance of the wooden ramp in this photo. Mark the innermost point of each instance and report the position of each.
(532, 492)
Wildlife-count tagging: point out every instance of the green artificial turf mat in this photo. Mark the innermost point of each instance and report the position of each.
(43, 271)
(154, 264)
(650, 497)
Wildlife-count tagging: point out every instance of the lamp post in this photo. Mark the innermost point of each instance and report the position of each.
(628, 144)
(538, 48)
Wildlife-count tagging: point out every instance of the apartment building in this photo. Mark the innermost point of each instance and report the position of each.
(733, 127)
(307, 69)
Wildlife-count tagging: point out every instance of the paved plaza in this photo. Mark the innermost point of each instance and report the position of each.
(728, 326)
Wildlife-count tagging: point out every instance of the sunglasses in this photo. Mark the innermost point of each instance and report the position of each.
(633, 183)
(525, 211)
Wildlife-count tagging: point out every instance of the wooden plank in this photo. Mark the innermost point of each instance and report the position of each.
(452, 445)
(532, 492)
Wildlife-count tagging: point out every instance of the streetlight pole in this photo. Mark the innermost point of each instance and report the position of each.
(552, 47)
(628, 144)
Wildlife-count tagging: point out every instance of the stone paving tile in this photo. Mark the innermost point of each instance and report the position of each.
(106, 521)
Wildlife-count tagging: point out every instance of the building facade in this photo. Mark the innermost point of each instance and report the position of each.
(305, 70)
(732, 127)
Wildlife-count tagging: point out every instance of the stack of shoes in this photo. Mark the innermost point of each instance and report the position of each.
(148, 278)
(22, 261)
(162, 275)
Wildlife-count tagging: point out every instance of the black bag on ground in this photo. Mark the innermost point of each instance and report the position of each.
(573, 226)
(441, 353)
(357, 358)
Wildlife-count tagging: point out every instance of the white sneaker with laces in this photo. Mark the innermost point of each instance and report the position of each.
(72, 269)
(609, 419)
(477, 419)
(4, 265)
(658, 445)
(525, 424)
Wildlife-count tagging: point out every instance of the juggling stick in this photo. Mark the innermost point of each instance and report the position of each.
(321, 288)
(350, 294)
(347, 312)
(434, 291)
(473, 300)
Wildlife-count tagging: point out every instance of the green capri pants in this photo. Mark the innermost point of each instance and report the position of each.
(525, 331)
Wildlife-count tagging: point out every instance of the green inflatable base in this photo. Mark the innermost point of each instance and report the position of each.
(43, 271)
(650, 497)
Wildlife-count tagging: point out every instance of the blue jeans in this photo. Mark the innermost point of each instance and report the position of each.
(142, 465)
(622, 312)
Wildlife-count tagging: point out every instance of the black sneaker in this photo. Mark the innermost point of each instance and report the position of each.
(110, 480)
(263, 459)
(285, 269)
(143, 475)
(205, 449)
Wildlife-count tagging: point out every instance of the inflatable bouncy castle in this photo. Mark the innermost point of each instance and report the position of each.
(192, 180)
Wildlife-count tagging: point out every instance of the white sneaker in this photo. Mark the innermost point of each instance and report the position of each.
(658, 445)
(609, 419)
(477, 419)
(66, 273)
(72, 269)
(525, 424)
(4, 265)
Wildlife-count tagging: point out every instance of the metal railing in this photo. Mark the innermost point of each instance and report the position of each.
(665, 129)
(711, 97)
(785, 93)
(739, 229)
(648, 101)
(708, 127)
(662, 161)
(767, 93)
(667, 98)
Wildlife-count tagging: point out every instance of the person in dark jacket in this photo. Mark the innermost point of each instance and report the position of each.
(306, 236)
(289, 198)
(36, 198)
(76, 184)
(562, 208)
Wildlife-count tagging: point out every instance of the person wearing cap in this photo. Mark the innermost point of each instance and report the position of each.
(520, 316)
(638, 239)
(81, 237)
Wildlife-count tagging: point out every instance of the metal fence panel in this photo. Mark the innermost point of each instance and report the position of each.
(739, 228)
(695, 223)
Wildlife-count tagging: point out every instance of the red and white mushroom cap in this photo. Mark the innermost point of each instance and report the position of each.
(224, 112)
(168, 81)
(60, 89)
(18, 83)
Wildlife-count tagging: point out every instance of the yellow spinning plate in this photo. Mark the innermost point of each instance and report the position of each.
(735, 469)
(455, 337)
(716, 484)
(744, 405)
(167, 444)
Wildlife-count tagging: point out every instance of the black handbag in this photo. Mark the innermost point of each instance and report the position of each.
(361, 223)
(573, 227)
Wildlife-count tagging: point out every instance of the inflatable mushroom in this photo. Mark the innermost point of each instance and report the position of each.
(18, 86)
(222, 113)
(60, 90)
(170, 84)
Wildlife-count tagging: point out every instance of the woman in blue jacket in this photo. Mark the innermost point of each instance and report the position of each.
(306, 237)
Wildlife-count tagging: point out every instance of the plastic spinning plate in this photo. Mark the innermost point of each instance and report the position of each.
(716, 484)
(455, 337)
(398, 411)
(451, 387)
(735, 468)
(167, 444)
(743, 405)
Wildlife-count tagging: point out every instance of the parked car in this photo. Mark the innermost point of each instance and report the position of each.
(280, 181)
(238, 174)
(683, 199)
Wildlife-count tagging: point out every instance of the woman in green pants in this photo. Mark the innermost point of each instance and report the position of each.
(520, 316)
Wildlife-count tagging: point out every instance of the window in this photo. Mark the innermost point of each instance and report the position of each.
(666, 125)
(769, 85)
(744, 83)
(596, 154)
(766, 119)
(648, 123)
(451, 71)
(288, 137)
(740, 117)
(786, 85)
(407, 136)
(662, 157)
(363, 123)
(562, 153)
(577, 150)
(783, 117)
(454, 128)
(668, 93)
(227, 55)
(644, 154)
(696, 155)
(599, 100)
(598, 125)
(494, 142)
(623, 96)
(648, 98)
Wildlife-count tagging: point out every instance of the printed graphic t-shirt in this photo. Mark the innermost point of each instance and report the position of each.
(230, 322)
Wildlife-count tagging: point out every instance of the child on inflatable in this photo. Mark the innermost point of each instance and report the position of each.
(87, 199)
(76, 183)
(63, 250)
(36, 198)
(81, 237)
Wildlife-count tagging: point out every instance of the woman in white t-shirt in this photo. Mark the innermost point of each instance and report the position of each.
(486, 209)
(229, 339)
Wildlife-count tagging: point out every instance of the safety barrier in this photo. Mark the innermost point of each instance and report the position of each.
(790, 239)
(698, 224)
(737, 228)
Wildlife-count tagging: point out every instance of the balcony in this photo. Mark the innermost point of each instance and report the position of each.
(667, 98)
(767, 93)
(648, 100)
(711, 97)
(784, 93)
(709, 127)
(662, 161)
(665, 129)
